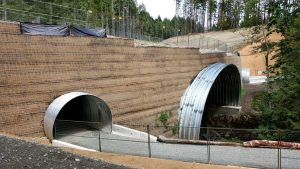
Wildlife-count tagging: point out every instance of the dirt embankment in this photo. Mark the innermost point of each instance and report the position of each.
(210, 40)
(253, 57)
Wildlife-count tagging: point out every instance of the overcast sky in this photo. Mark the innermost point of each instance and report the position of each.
(164, 8)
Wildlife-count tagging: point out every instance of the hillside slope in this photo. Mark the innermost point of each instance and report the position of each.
(228, 40)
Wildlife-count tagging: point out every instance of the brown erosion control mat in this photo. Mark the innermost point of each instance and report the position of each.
(137, 83)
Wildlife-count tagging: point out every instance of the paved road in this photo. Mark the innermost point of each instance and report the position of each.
(241, 156)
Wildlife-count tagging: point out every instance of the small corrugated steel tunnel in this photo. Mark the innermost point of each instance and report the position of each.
(75, 111)
(216, 86)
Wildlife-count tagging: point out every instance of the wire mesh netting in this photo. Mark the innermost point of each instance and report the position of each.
(36, 11)
(203, 42)
(42, 12)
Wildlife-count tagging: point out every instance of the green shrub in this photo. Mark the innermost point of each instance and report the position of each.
(260, 101)
(175, 128)
(243, 92)
(163, 118)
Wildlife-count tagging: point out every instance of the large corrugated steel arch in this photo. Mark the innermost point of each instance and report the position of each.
(218, 83)
(58, 104)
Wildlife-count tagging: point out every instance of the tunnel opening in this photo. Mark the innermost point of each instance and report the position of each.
(215, 90)
(74, 112)
(223, 100)
(224, 93)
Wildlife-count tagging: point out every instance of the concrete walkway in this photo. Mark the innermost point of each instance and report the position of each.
(240, 156)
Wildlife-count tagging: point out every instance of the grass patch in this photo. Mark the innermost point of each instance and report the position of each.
(163, 118)
(243, 92)
(175, 128)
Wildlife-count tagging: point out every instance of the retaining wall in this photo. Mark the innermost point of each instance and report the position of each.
(137, 83)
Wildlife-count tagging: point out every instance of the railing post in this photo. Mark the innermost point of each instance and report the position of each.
(207, 43)
(100, 149)
(87, 19)
(51, 13)
(208, 145)
(201, 42)
(178, 130)
(279, 149)
(189, 40)
(102, 20)
(149, 146)
(4, 10)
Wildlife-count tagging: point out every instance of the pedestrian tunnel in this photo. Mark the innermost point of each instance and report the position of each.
(77, 111)
(215, 89)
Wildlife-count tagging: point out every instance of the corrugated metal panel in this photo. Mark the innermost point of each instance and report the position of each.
(57, 105)
(218, 84)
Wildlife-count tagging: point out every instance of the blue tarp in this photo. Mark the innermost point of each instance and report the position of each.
(40, 29)
(78, 31)
(60, 30)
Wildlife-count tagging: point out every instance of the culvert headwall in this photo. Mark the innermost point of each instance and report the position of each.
(218, 84)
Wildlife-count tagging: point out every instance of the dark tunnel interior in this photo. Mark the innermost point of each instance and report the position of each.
(82, 113)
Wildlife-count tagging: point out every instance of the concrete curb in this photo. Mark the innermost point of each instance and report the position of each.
(200, 142)
(58, 143)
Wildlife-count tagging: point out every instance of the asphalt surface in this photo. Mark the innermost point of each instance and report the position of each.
(228, 155)
(18, 154)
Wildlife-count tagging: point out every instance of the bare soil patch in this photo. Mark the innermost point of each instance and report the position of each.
(253, 58)
(250, 90)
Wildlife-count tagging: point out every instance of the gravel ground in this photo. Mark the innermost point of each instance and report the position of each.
(23, 154)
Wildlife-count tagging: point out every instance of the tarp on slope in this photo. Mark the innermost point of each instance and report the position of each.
(41, 29)
(78, 31)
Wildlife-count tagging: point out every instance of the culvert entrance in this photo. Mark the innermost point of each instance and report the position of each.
(75, 111)
(216, 88)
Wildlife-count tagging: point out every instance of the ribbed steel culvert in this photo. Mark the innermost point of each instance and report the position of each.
(78, 106)
(219, 85)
